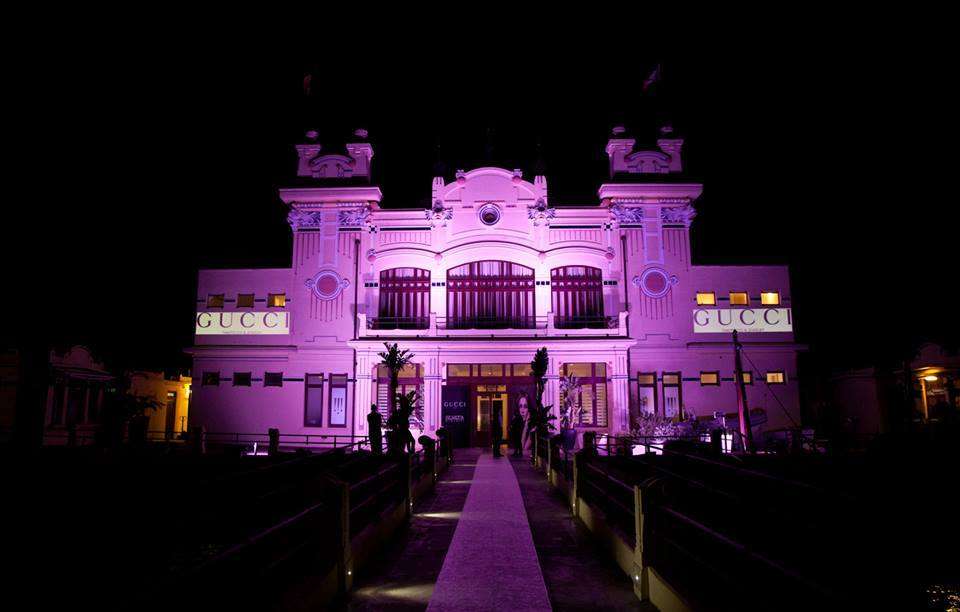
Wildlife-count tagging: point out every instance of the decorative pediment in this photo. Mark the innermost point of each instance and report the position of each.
(647, 162)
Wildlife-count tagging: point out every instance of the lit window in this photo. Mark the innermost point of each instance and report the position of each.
(215, 300)
(709, 378)
(770, 298)
(776, 378)
(647, 379)
(273, 379)
(458, 370)
(748, 378)
(241, 379)
(705, 298)
(671, 380)
(277, 300)
(739, 298)
(245, 300)
(211, 379)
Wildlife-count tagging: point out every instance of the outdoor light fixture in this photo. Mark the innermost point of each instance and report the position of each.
(930, 378)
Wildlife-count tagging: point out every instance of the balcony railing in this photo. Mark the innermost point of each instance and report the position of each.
(594, 322)
(539, 326)
(490, 323)
(399, 323)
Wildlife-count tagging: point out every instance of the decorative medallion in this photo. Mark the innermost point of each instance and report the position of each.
(654, 282)
(540, 212)
(489, 214)
(327, 284)
(438, 214)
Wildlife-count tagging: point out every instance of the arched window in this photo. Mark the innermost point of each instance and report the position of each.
(490, 295)
(404, 299)
(577, 297)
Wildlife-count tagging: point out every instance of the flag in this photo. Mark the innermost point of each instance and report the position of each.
(653, 78)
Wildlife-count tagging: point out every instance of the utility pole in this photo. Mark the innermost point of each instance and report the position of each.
(742, 408)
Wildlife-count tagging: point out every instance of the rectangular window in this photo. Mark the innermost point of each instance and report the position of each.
(706, 298)
(211, 379)
(313, 401)
(276, 300)
(770, 298)
(494, 369)
(241, 379)
(245, 300)
(647, 389)
(672, 398)
(747, 378)
(521, 369)
(338, 400)
(776, 378)
(739, 298)
(273, 379)
(710, 378)
(593, 391)
(215, 300)
(458, 369)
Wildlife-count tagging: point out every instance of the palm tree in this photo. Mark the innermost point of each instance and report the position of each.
(540, 417)
(394, 359)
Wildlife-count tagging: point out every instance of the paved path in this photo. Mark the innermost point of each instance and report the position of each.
(492, 563)
(579, 574)
(402, 577)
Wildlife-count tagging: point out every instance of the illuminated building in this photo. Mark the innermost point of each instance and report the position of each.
(172, 395)
(494, 270)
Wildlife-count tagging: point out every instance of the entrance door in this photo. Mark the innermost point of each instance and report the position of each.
(489, 400)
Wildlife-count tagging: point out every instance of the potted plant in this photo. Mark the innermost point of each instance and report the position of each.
(539, 419)
(570, 410)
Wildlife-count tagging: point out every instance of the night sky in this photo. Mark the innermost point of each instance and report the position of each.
(156, 166)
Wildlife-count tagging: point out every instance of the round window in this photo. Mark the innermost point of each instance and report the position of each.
(489, 214)
(654, 282)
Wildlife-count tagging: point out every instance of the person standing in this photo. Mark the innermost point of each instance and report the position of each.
(375, 423)
(496, 432)
(516, 433)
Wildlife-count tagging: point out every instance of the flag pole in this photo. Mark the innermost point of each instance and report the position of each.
(742, 409)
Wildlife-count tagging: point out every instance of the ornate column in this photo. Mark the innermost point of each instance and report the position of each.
(620, 393)
(362, 389)
(431, 393)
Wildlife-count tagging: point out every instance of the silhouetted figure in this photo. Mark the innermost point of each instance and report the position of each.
(496, 432)
(516, 434)
(375, 423)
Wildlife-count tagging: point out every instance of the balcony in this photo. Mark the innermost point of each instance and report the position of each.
(492, 323)
(381, 323)
(537, 327)
(596, 322)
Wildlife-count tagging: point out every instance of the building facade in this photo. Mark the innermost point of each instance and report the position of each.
(473, 287)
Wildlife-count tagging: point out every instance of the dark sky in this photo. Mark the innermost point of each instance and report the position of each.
(157, 165)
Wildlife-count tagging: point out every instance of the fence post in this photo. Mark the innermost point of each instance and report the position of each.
(409, 501)
(274, 447)
(641, 586)
(536, 451)
(345, 573)
(549, 461)
(574, 496)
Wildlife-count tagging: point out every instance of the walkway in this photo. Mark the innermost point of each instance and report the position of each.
(491, 563)
(493, 536)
